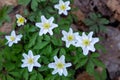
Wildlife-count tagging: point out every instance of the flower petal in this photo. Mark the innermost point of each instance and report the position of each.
(37, 64)
(62, 58)
(43, 19)
(85, 51)
(54, 72)
(90, 35)
(36, 57)
(13, 33)
(95, 40)
(10, 44)
(51, 65)
(67, 3)
(23, 65)
(30, 68)
(38, 25)
(68, 64)
(65, 72)
(56, 59)
(25, 55)
(18, 16)
(51, 20)
(30, 54)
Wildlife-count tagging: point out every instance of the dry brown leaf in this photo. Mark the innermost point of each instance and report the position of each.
(114, 5)
(8, 2)
(6, 27)
(79, 14)
(84, 76)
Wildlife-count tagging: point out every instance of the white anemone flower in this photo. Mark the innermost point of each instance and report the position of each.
(46, 25)
(63, 7)
(70, 37)
(30, 61)
(86, 42)
(20, 20)
(59, 66)
(13, 38)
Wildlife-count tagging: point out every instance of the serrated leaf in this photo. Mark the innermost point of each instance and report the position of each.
(56, 41)
(81, 63)
(32, 40)
(34, 5)
(95, 55)
(15, 74)
(62, 51)
(24, 2)
(10, 78)
(25, 74)
(39, 76)
(98, 62)
(90, 67)
(43, 68)
(41, 45)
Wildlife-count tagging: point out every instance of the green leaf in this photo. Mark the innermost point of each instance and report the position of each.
(103, 21)
(81, 63)
(90, 67)
(41, 45)
(95, 55)
(62, 51)
(9, 66)
(4, 11)
(43, 68)
(32, 40)
(55, 52)
(33, 77)
(15, 74)
(34, 5)
(10, 78)
(56, 41)
(39, 76)
(24, 2)
(46, 37)
(98, 62)
(25, 74)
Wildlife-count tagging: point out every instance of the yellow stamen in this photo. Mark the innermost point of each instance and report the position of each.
(86, 42)
(30, 61)
(12, 38)
(63, 7)
(60, 65)
(21, 20)
(46, 25)
(70, 37)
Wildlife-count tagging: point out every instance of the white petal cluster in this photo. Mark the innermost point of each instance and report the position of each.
(87, 42)
(13, 38)
(30, 61)
(63, 7)
(20, 20)
(46, 25)
(70, 38)
(59, 66)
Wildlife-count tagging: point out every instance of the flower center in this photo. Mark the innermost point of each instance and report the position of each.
(21, 20)
(12, 38)
(70, 37)
(60, 65)
(46, 25)
(86, 42)
(63, 7)
(30, 61)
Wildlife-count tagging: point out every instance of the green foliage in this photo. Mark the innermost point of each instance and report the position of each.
(4, 14)
(96, 22)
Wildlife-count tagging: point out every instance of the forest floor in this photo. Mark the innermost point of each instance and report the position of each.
(110, 9)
